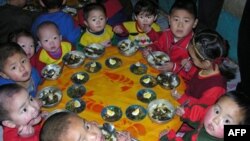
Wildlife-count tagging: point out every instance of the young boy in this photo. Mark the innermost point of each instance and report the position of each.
(52, 47)
(68, 126)
(175, 40)
(143, 30)
(15, 67)
(97, 31)
(64, 21)
(20, 114)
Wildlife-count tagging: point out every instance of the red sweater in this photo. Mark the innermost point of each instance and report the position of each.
(177, 51)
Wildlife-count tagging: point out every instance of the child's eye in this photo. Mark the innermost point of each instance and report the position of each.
(216, 110)
(24, 110)
(186, 21)
(31, 99)
(13, 68)
(227, 121)
(46, 40)
(24, 61)
(55, 38)
(23, 46)
(87, 126)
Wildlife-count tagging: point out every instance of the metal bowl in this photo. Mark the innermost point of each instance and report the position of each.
(50, 96)
(158, 59)
(168, 80)
(74, 59)
(111, 113)
(160, 111)
(51, 72)
(94, 51)
(127, 47)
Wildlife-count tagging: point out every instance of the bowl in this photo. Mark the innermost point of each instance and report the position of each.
(157, 59)
(76, 91)
(113, 62)
(111, 113)
(93, 67)
(50, 96)
(138, 68)
(73, 59)
(148, 81)
(51, 72)
(80, 77)
(146, 95)
(75, 105)
(127, 47)
(160, 111)
(168, 80)
(136, 112)
(94, 51)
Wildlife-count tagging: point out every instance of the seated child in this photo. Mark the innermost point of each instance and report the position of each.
(52, 47)
(26, 40)
(174, 41)
(68, 126)
(144, 29)
(233, 108)
(97, 31)
(64, 21)
(20, 114)
(208, 52)
(15, 67)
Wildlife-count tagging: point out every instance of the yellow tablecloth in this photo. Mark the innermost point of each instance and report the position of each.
(117, 87)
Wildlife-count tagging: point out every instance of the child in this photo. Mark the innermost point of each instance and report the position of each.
(53, 48)
(64, 21)
(20, 114)
(16, 68)
(26, 40)
(208, 52)
(97, 31)
(143, 31)
(69, 126)
(174, 41)
(233, 108)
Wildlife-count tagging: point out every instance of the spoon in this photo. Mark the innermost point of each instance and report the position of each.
(110, 128)
(154, 58)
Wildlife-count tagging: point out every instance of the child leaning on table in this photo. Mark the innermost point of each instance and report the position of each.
(97, 29)
(15, 67)
(143, 31)
(233, 108)
(20, 114)
(174, 41)
(68, 126)
(52, 47)
(208, 52)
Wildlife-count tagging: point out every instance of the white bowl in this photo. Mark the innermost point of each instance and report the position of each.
(127, 47)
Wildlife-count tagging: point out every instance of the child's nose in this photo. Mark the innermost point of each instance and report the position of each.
(216, 120)
(180, 24)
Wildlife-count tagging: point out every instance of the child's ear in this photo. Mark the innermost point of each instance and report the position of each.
(156, 16)
(3, 75)
(207, 63)
(135, 17)
(9, 124)
(195, 23)
(64, 2)
(39, 43)
(85, 23)
(60, 37)
(41, 3)
(169, 19)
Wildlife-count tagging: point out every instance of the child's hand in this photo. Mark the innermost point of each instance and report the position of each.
(187, 64)
(175, 94)
(163, 133)
(146, 28)
(123, 136)
(179, 111)
(118, 29)
(145, 52)
(26, 131)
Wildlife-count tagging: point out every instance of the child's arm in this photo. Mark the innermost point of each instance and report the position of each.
(120, 30)
(26, 131)
(123, 136)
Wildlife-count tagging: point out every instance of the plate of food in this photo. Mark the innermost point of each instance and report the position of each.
(157, 59)
(80, 77)
(127, 47)
(50, 96)
(136, 112)
(93, 67)
(73, 59)
(146, 95)
(161, 110)
(168, 80)
(75, 105)
(94, 51)
(148, 81)
(138, 68)
(113, 62)
(76, 91)
(51, 72)
(111, 113)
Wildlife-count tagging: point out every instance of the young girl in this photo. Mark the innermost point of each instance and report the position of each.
(233, 108)
(208, 52)
(144, 29)
(174, 41)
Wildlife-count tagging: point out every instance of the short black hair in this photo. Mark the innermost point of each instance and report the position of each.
(50, 4)
(7, 50)
(93, 6)
(188, 5)
(145, 6)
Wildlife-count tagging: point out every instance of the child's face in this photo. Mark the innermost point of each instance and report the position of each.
(27, 43)
(50, 39)
(17, 68)
(96, 21)
(82, 130)
(24, 109)
(224, 112)
(181, 23)
(144, 19)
